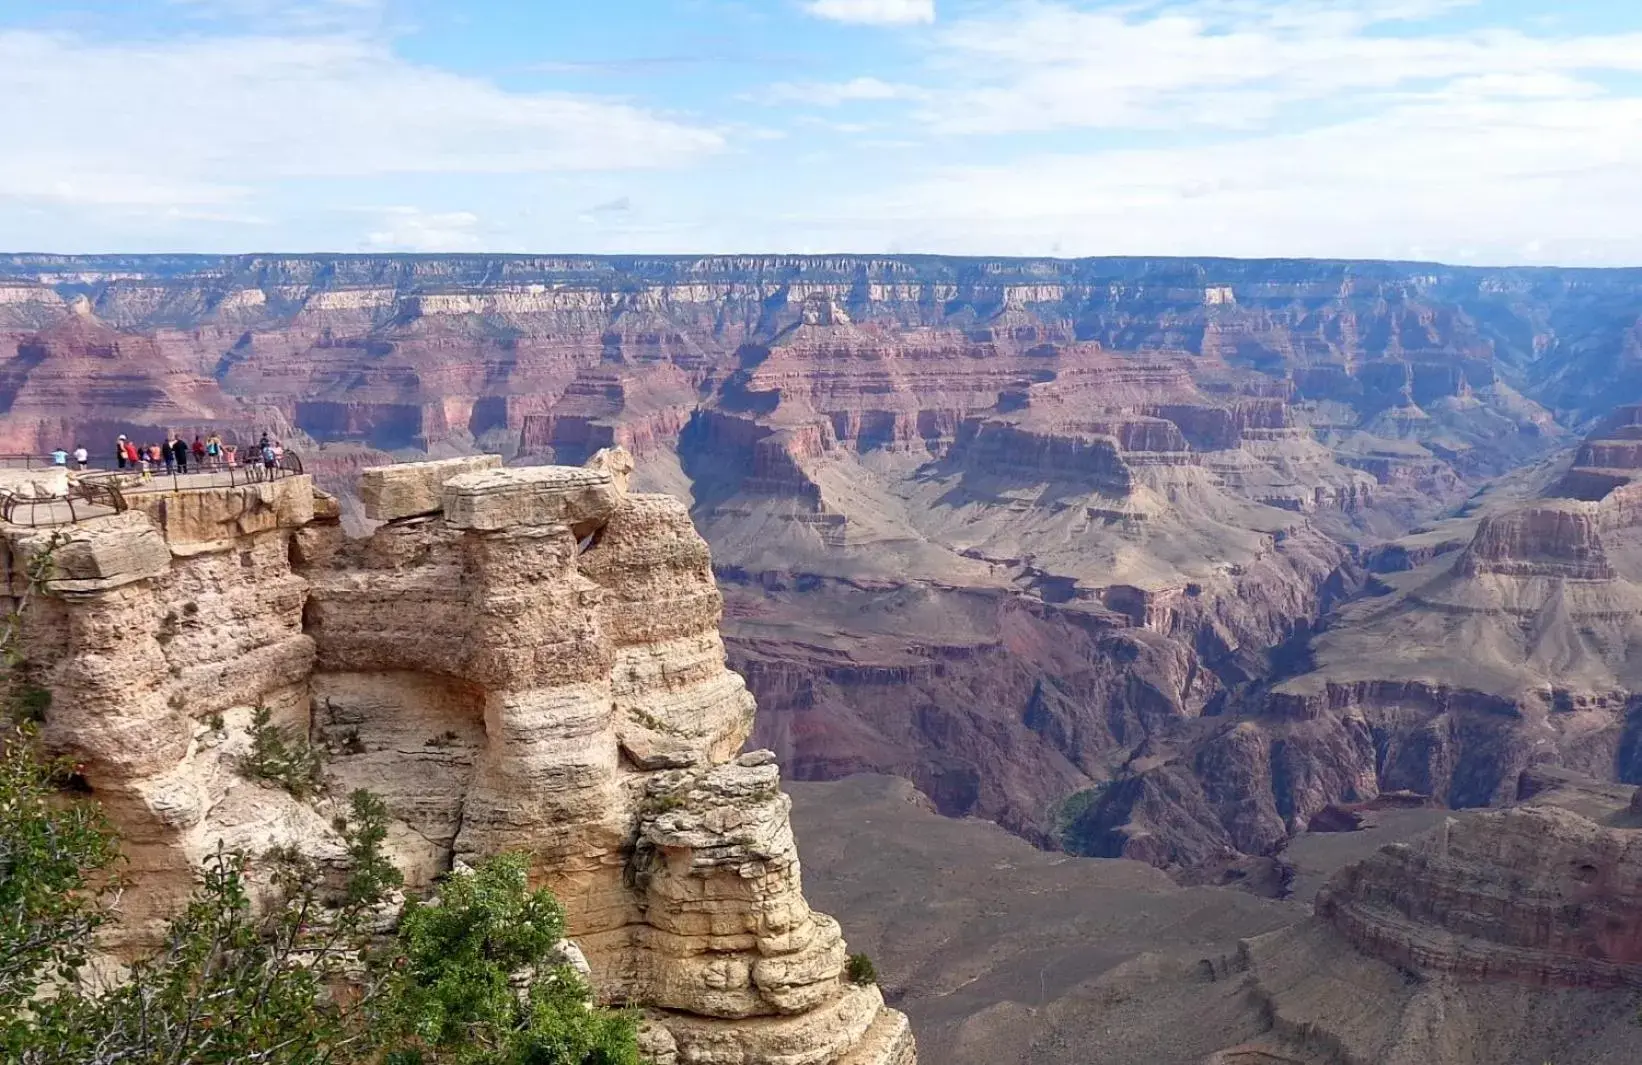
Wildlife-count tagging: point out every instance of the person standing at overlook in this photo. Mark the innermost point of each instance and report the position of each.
(120, 452)
(179, 454)
(59, 457)
(81, 457)
(199, 452)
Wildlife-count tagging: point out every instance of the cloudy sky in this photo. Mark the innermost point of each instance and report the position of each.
(1459, 130)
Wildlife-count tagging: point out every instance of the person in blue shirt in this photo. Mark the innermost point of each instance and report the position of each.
(59, 457)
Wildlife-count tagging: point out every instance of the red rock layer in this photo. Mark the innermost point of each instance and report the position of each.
(1538, 541)
(1534, 894)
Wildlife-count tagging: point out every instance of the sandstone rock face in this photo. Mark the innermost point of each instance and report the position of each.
(535, 495)
(403, 490)
(157, 625)
(535, 667)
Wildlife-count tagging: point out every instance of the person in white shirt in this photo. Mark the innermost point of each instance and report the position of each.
(81, 457)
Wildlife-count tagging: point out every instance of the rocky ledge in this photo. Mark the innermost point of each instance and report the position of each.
(1553, 538)
(521, 660)
(1537, 894)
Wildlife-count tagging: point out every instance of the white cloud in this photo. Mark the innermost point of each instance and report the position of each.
(1039, 66)
(1456, 175)
(413, 229)
(1273, 128)
(205, 120)
(874, 12)
(832, 94)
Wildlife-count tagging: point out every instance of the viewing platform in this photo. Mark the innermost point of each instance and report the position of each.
(39, 494)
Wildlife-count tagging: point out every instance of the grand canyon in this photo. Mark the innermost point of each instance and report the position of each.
(1162, 589)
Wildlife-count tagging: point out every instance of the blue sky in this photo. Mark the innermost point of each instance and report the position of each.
(1461, 130)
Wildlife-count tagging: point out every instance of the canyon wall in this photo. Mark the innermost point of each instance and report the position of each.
(1022, 531)
(521, 660)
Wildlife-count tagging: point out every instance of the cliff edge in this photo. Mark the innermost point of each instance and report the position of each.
(521, 660)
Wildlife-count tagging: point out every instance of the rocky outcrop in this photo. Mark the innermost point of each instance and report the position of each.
(533, 666)
(1542, 540)
(1170, 454)
(404, 490)
(1537, 894)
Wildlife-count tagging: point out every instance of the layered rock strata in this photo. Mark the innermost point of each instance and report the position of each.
(1500, 641)
(1499, 936)
(1537, 894)
(531, 666)
(1011, 528)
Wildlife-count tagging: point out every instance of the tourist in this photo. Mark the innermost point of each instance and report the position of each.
(120, 448)
(159, 453)
(279, 451)
(230, 453)
(179, 453)
(130, 453)
(269, 459)
(213, 449)
(199, 452)
(59, 457)
(81, 457)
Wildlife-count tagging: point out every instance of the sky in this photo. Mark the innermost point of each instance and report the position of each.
(1464, 131)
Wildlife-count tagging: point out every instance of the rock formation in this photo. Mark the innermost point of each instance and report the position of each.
(1499, 641)
(1503, 936)
(1015, 529)
(1537, 894)
(521, 660)
(1506, 935)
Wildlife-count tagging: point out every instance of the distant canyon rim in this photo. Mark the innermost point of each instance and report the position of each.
(1164, 559)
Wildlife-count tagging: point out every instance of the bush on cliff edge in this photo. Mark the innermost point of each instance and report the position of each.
(316, 976)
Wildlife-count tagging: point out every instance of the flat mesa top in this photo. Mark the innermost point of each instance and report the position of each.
(533, 478)
(463, 462)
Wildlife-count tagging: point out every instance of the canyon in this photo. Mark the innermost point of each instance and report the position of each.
(518, 661)
(1430, 938)
(1067, 543)
(1147, 636)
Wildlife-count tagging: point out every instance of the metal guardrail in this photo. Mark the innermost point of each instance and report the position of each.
(101, 492)
(85, 499)
(221, 474)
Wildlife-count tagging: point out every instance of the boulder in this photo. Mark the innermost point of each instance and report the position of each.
(99, 554)
(617, 462)
(530, 495)
(406, 489)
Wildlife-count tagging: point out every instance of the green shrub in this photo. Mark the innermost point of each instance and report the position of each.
(860, 970)
(282, 758)
(52, 855)
(455, 998)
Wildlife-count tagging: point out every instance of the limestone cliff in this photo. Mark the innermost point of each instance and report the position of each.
(521, 660)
